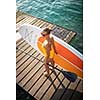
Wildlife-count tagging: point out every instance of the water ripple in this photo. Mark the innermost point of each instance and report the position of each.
(66, 13)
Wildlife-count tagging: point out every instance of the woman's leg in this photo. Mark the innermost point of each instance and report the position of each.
(52, 63)
(46, 65)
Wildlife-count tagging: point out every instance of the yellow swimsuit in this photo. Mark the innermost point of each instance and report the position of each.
(44, 50)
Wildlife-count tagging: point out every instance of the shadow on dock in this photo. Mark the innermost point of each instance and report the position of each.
(69, 75)
(21, 94)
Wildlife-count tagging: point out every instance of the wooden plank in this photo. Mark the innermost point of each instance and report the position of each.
(41, 26)
(19, 42)
(27, 20)
(64, 34)
(31, 82)
(18, 52)
(30, 20)
(45, 25)
(35, 54)
(18, 13)
(41, 92)
(25, 64)
(22, 21)
(69, 36)
(28, 72)
(27, 17)
(78, 94)
(40, 23)
(42, 60)
(60, 32)
(22, 56)
(33, 90)
(80, 87)
(22, 44)
(27, 49)
(60, 89)
(22, 60)
(53, 88)
(70, 90)
(50, 26)
(20, 18)
(33, 22)
(36, 22)
(34, 68)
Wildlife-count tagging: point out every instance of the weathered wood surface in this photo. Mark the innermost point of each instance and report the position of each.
(30, 67)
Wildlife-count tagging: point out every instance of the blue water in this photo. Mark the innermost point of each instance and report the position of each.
(65, 13)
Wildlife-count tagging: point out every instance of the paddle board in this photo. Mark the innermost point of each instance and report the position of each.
(68, 57)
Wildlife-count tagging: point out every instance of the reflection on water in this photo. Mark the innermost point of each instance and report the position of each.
(66, 13)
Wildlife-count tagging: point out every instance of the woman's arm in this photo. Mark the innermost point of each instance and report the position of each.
(54, 45)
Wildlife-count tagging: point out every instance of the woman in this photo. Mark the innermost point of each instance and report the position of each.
(48, 49)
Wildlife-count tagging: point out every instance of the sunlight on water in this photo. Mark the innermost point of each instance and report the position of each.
(65, 13)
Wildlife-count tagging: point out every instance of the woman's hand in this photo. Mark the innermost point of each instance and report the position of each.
(55, 52)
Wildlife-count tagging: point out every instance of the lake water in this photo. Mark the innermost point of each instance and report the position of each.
(65, 13)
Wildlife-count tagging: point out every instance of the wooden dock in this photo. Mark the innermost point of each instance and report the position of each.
(30, 66)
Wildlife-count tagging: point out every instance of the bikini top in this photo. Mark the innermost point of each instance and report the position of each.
(46, 42)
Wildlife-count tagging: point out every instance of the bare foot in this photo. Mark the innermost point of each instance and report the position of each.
(51, 68)
(46, 74)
